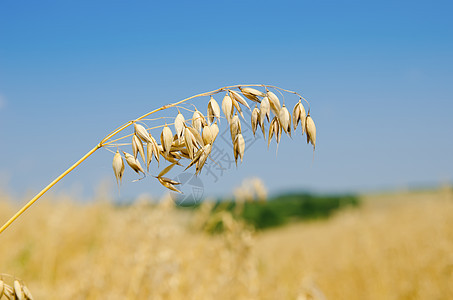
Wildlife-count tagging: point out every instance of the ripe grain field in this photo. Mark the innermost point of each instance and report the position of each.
(395, 246)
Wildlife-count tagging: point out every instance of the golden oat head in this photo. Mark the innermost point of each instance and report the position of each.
(194, 136)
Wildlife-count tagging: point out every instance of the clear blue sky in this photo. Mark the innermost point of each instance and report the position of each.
(378, 75)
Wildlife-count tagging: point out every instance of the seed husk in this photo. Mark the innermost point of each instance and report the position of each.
(311, 131)
(206, 150)
(179, 124)
(133, 163)
(236, 96)
(299, 115)
(137, 147)
(169, 184)
(235, 127)
(285, 119)
(118, 168)
(27, 292)
(18, 290)
(255, 119)
(213, 110)
(198, 139)
(265, 109)
(274, 102)
(190, 141)
(207, 135)
(166, 170)
(239, 147)
(252, 94)
(198, 120)
(166, 139)
(214, 130)
(1, 288)
(142, 133)
(227, 107)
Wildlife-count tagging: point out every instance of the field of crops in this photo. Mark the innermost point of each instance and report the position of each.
(391, 246)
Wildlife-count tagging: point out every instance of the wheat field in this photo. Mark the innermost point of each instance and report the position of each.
(395, 246)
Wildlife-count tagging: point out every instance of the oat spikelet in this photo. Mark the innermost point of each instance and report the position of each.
(214, 131)
(285, 119)
(235, 127)
(27, 293)
(166, 139)
(205, 151)
(255, 119)
(169, 184)
(274, 102)
(227, 107)
(118, 167)
(137, 147)
(207, 135)
(299, 115)
(189, 141)
(133, 163)
(265, 110)
(274, 129)
(213, 110)
(236, 96)
(1, 288)
(18, 290)
(142, 133)
(179, 124)
(311, 131)
(252, 94)
(239, 147)
(198, 120)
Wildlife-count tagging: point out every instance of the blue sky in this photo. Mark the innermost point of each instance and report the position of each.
(377, 74)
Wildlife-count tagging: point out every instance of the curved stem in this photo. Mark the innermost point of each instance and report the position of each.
(25, 207)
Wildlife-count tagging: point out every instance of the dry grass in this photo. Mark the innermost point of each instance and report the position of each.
(394, 247)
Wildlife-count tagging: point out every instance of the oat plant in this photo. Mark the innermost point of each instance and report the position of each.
(186, 139)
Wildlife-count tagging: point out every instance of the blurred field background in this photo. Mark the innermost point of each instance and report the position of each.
(379, 246)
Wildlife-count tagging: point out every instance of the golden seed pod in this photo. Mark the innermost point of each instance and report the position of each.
(311, 131)
(235, 127)
(198, 120)
(179, 124)
(27, 293)
(236, 96)
(265, 110)
(274, 129)
(169, 184)
(197, 137)
(239, 147)
(285, 119)
(252, 94)
(207, 135)
(133, 163)
(274, 103)
(299, 115)
(137, 147)
(213, 110)
(166, 139)
(142, 133)
(255, 119)
(18, 290)
(205, 151)
(118, 167)
(227, 107)
(189, 142)
(214, 130)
